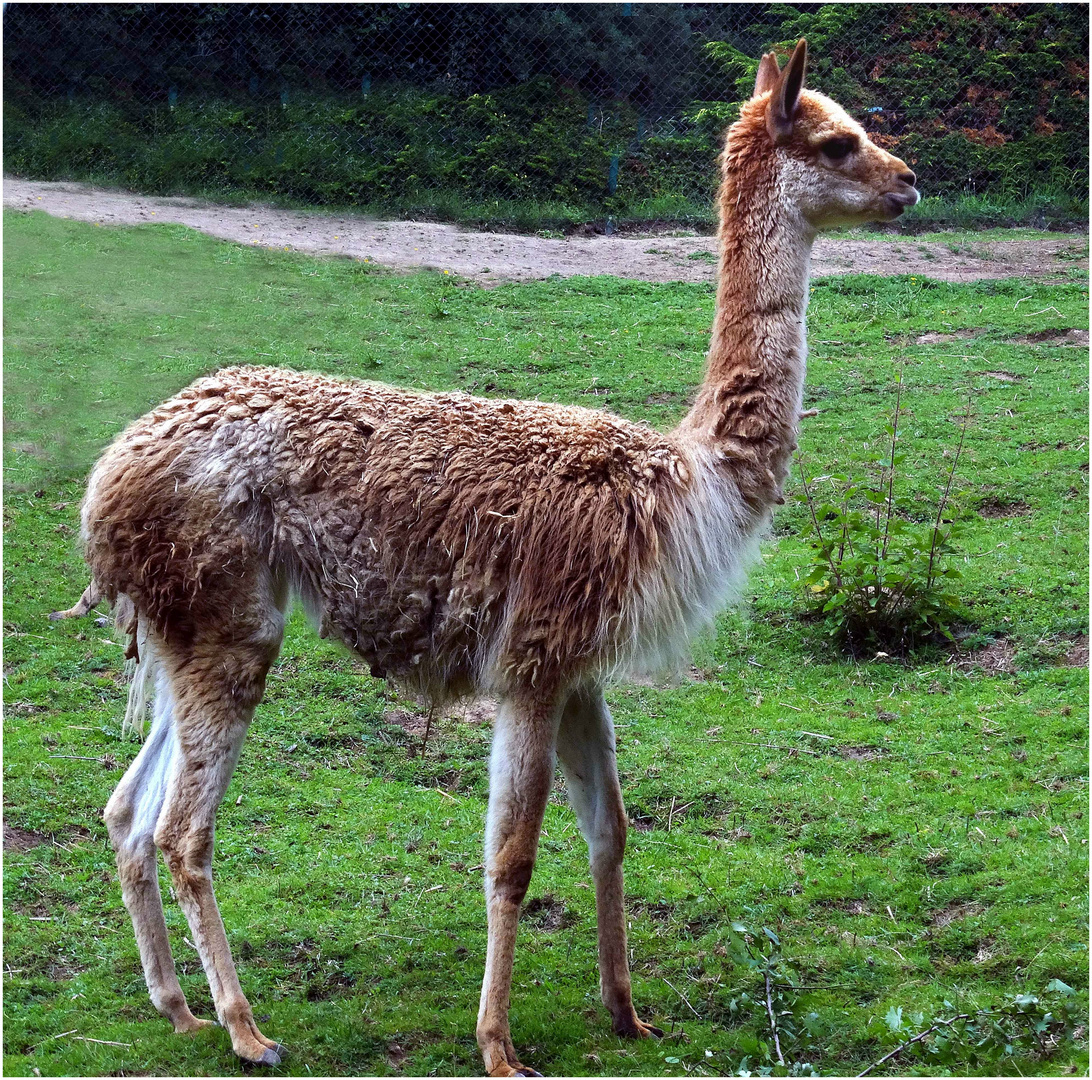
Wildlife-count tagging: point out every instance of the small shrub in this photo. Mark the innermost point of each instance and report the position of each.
(880, 580)
(1029, 1026)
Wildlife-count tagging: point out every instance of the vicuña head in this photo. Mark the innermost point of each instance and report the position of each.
(822, 162)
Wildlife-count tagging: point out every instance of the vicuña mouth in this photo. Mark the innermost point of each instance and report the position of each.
(898, 201)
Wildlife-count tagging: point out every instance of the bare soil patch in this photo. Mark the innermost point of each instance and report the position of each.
(985, 951)
(490, 258)
(1076, 339)
(731, 836)
(1077, 653)
(1003, 508)
(862, 753)
(955, 911)
(656, 910)
(63, 972)
(937, 339)
(482, 711)
(16, 839)
(414, 722)
(664, 397)
(546, 913)
(27, 707)
(997, 658)
(935, 858)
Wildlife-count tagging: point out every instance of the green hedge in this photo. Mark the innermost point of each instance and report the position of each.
(989, 103)
(522, 145)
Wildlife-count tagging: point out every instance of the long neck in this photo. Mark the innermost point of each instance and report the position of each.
(748, 407)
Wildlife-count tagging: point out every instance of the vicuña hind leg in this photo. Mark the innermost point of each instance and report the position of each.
(216, 686)
(521, 771)
(585, 746)
(130, 817)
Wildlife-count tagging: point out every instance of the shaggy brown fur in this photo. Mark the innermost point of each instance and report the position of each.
(450, 558)
(462, 545)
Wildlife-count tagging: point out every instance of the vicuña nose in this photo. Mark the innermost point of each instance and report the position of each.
(908, 178)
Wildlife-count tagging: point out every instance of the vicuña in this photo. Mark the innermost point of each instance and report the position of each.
(528, 551)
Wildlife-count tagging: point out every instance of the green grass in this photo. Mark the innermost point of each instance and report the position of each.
(931, 850)
(1047, 208)
(949, 236)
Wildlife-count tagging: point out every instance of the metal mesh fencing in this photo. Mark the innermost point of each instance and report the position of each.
(535, 114)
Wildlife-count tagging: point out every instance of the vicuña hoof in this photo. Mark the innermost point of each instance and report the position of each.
(638, 1029)
(191, 1023)
(267, 1056)
(254, 1047)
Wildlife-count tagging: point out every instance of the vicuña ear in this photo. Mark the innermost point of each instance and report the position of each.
(768, 74)
(785, 95)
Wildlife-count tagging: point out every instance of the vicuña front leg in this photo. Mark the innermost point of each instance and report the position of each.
(585, 745)
(521, 770)
(215, 692)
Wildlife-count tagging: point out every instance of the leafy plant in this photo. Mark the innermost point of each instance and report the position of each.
(1027, 1025)
(778, 1001)
(775, 1000)
(441, 308)
(881, 580)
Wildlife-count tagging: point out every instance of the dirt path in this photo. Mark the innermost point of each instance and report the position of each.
(496, 257)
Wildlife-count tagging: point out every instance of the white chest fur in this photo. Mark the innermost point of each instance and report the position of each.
(706, 548)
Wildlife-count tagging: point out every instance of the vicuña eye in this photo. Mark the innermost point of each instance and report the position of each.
(837, 149)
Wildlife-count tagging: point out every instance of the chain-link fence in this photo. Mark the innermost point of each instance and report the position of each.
(535, 115)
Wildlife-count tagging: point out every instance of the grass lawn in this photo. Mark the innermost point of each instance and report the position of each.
(914, 831)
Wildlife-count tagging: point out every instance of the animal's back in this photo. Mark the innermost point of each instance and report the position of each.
(455, 543)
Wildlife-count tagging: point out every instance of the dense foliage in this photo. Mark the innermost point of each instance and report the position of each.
(594, 109)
